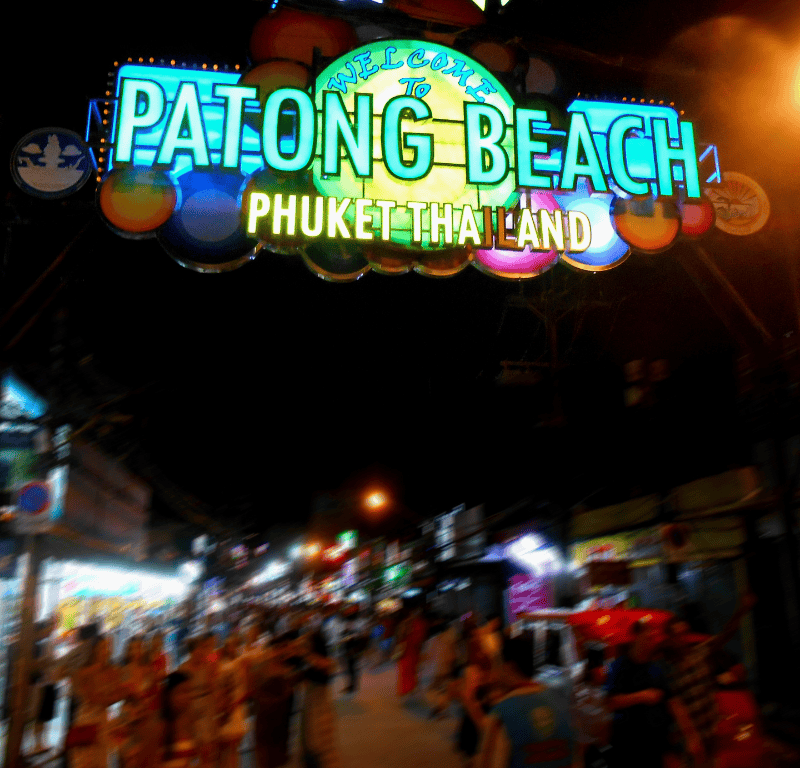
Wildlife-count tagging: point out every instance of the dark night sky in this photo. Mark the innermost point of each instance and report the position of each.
(267, 385)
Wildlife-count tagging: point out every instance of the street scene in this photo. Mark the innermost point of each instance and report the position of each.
(400, 383)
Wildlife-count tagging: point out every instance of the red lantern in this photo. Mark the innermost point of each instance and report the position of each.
(291, 34)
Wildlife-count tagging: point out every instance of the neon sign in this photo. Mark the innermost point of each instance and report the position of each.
(404, 145)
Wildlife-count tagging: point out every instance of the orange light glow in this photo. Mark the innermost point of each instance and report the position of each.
(376, 500)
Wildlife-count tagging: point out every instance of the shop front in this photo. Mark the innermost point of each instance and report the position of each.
(119, 597)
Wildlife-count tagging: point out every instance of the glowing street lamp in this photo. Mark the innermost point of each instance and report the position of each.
(312, 550)
(376, 500)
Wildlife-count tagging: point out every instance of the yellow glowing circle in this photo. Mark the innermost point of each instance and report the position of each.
(741, 204)
(447, 180)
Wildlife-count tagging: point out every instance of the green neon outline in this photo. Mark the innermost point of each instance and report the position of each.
(412, 141)
(134, 128)
(666, 155)
(339, 137)
(160, 162)
(483, 110)
(579, 128)
(227, 128)
(617, 160)
(306, 135)
(525, 145)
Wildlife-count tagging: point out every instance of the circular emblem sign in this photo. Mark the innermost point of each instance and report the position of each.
(741, 204)
(426, 87)
(34, 498)
(51, 163)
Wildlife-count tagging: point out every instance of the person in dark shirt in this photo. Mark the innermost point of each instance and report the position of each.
(637, 695)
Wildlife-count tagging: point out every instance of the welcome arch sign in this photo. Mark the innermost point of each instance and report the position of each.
(402, 154)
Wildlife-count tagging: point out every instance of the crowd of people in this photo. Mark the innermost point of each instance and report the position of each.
(193, 706)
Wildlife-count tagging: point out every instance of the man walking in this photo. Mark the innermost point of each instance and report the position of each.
(690, 675)
(355, 641)
(530, 725)
(637, 695)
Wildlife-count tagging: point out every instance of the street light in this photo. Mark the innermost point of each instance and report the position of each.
(312, 550)
(376, 500)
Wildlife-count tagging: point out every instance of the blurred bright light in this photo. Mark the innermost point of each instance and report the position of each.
(312, 550)
(532, 553)
(376, 500)
(296, 552)
(275, 570)
(87, 579)
(189, 571)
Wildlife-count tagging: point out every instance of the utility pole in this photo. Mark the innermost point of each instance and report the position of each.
(24, 660)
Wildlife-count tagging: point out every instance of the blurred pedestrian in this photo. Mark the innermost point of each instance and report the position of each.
(332, 630)
(530, 725)
(411, 636)
(201, 669)
(446, 670)
(179, 748)
(472, 690)
(156, 657)
(232, 700)
(43, 698)
(273, 680)
(317, 719)
(96, 686)
(592, 716)
(692, 682)
(491, 639)
(637, 693)
(355, 640)
(141, 690)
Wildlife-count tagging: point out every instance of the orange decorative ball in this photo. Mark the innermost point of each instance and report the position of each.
(137, 201)
(386, 260)
(498, 57)
(645, 223)
(442, 263)
(291, 34)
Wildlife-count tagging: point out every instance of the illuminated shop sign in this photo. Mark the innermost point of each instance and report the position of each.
(399, 144)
